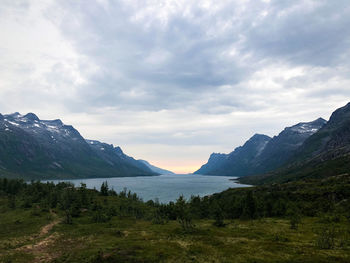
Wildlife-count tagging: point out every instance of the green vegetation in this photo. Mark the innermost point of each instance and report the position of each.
(304, 221)
(311, 170)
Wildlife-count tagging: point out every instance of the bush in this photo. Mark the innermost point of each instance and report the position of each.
(294, 218)
(326, 238)
(100, 216)
(11, 202)
(35, 211)
(26, 203)
(159, 218)
(68, 217)
(218, 216)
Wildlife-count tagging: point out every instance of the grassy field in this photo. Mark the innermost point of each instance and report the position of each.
(31, 235)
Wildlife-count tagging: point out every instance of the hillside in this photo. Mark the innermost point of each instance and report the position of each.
(239, 161)
(31, 148)
(294, 222)
(261, 153)
(325, 153)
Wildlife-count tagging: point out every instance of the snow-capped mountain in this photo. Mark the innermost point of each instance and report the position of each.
(305, 128)
(54, 130)
(324, 153)
(34, 148)
(332, 140)
(261, 153)
(283, 146)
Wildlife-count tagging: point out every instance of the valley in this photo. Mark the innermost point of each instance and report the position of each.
(297, 210)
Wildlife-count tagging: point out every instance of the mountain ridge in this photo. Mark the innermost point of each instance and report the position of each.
(261, 153)
(325, 153)
(49, 149)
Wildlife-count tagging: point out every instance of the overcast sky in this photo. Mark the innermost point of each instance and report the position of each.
(172, 81)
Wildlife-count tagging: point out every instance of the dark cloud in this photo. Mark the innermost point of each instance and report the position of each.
(152, 62)
(313, 33)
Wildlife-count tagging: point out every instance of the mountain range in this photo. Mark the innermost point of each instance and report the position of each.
(31, 148)
(261, 153)
(307, 149)
(325, 153)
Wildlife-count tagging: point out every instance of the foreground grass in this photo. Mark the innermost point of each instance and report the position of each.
(126, 239)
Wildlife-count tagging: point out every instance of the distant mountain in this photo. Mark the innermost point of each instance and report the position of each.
(260, 153)
(46, 149)
(215, 162)
(115, 155)
(155, 168)
(325, 153)
(238, 162)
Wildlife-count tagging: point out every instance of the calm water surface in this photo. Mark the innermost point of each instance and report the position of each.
(164, 187)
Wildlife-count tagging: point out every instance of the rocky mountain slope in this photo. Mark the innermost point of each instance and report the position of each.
(332, 140)
(237, 162)
(261, 153)
(325, 153)
(35, 149)
(281, 147)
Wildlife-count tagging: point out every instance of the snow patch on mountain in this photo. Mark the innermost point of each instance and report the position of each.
(261, 148)
(308, 127)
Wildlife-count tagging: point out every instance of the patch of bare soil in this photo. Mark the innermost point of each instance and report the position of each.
(40, 247)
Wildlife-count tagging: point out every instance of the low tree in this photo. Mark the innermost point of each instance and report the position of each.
(104, 189)
(218, 215)
(249, 206)
(294, 216)
(183, 214)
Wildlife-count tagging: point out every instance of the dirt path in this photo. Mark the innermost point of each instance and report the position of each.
(40, 247)
(46, 229)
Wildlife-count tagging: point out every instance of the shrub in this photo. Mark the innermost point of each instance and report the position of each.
(218, 216)
(68, 217)
(100, 216)
(326, 237)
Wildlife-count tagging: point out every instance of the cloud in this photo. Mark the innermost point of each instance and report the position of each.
(166, 76)
(309, 32)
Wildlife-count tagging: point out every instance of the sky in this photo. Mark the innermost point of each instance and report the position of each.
(173, 81)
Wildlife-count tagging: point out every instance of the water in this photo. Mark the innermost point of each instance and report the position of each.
(164, 187)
